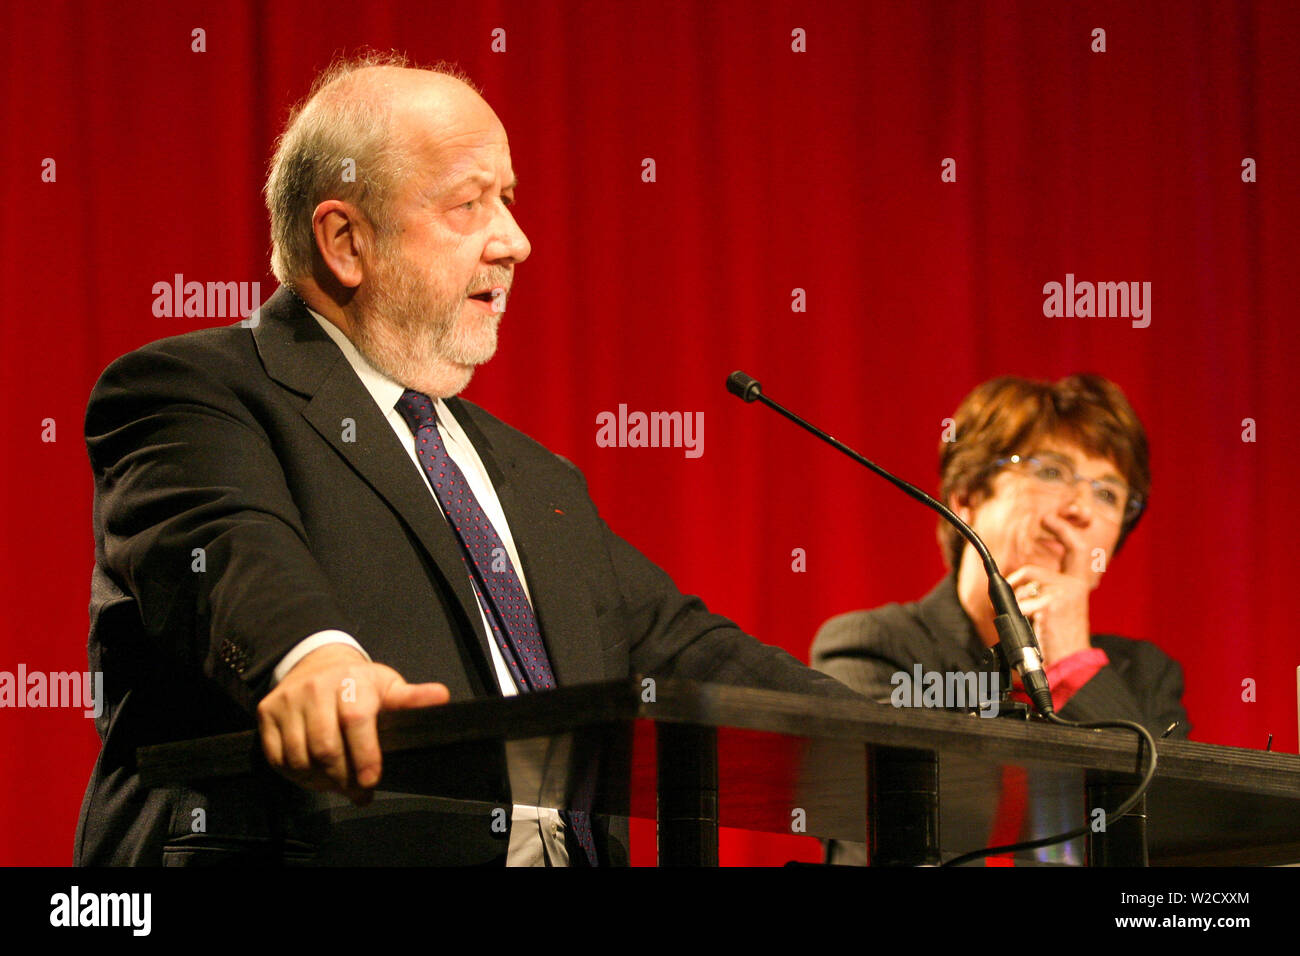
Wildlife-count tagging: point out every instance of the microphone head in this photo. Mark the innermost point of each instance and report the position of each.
(743, 386)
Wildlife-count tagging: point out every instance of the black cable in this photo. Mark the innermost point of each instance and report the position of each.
(1123, 809)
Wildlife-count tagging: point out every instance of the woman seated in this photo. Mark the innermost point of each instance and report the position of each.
(1054, 478)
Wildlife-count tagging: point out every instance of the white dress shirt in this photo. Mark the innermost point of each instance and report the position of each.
(536, 834)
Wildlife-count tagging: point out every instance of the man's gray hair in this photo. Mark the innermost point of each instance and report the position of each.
(339, 144)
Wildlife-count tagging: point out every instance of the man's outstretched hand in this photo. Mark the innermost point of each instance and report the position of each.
(318, 724)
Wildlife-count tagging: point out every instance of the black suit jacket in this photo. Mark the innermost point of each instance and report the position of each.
(248, 493)
(864, 649)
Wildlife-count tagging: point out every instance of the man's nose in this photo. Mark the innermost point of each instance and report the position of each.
(508, 240)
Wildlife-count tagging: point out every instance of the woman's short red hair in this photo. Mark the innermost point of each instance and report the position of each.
(1013, 416)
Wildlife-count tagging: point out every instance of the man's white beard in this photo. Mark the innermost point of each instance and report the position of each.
(414, 334)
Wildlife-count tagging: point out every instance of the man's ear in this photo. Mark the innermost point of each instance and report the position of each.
(338, 230)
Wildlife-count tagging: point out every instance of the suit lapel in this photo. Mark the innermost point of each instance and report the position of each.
(563, 610)
(300, 356)
(942, 614)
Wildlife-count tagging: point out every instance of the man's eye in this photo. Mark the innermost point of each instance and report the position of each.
(1108, 496)
(1050, 472)
(469, 205)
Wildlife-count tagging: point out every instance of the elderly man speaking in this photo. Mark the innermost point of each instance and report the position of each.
(298, 525)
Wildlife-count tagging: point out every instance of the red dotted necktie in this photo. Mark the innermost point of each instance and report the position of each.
(496, 584)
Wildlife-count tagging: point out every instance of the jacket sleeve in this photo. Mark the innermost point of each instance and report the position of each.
(194, 519)
(849, 648)
(671, 634)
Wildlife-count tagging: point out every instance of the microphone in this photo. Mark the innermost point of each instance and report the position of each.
(1017, 644)
(743, 386)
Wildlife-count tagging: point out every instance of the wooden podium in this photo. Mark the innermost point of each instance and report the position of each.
(695, 756)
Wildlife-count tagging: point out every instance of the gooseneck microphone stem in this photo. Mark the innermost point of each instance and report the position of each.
(1016, 641)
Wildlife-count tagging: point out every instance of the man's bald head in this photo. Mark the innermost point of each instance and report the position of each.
(356, 137)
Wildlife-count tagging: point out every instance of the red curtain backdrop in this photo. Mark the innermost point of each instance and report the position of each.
(775, 170)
